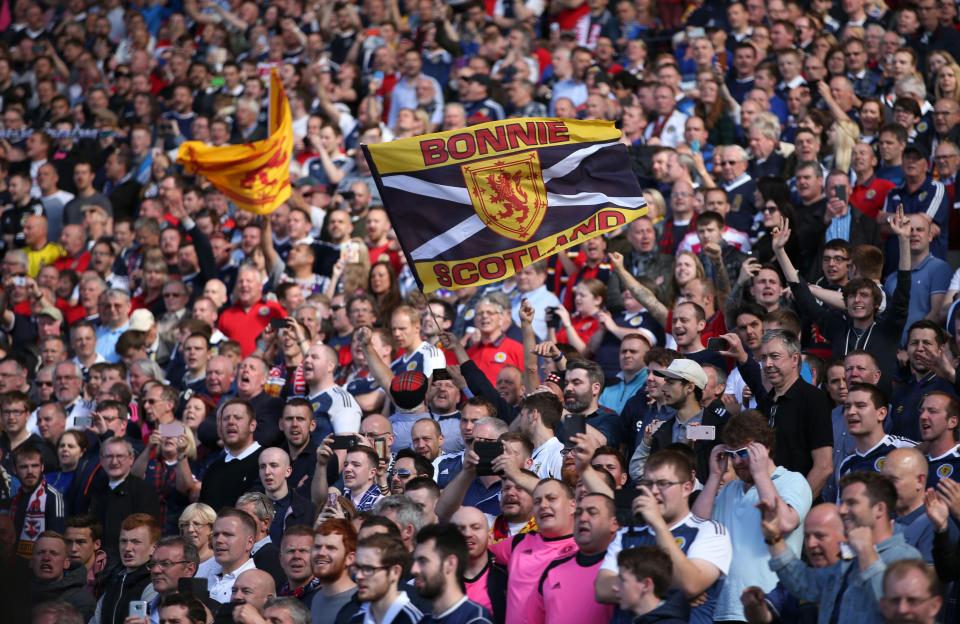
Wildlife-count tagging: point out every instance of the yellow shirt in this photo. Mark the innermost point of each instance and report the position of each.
(48, 254)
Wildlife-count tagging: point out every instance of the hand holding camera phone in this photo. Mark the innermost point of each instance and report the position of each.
(487, 451)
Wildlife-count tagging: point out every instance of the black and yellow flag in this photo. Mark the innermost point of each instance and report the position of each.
(475, 206)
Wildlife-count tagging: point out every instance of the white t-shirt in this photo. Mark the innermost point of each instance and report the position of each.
(547, 460)
(711, 543)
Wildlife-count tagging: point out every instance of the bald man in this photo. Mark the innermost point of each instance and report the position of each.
(252, 589)
(486, 584)
(291, 508)
(907, 468)
(822, 536)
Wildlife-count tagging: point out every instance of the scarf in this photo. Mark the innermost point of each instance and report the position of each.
(369, 498)
(501, 528)
(35, 519)
(300, 592)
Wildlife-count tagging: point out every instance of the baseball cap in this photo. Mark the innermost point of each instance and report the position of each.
(142, 320)
(917, 150)
(52, 312)
(409, 389)
(685, 370)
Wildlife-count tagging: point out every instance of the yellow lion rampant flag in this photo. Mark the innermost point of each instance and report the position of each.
(255, 176)
(475, 206)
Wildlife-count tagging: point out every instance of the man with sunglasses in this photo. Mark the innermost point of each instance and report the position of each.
(748, 445)
(699, 549)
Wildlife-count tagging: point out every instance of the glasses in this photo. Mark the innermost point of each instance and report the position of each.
(13, 412)
(190, 524)
(770, 209)
(366, 570)
(111, 458)
(662, 485)
(741, 453)
(835, 259)
(336, 307)
(44, 383)
(403, 473)
(163, 565)
(730, 162)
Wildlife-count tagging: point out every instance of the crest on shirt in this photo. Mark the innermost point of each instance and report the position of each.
(264, 311)
(944, 471)
(469, 314)
(635, 321)
(878, 465)
(500, 357)
(736, 202)
(923, 196)
(871, 194)
(922, 127)
(411, 366)
(681, 541)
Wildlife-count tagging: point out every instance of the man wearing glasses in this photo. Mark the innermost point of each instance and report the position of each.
(173, 558)
(380, 563)
(699, 549)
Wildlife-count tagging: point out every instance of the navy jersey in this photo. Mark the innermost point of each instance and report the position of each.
(698, 539)
(335, 411)
(943, 467)
(425, 359)
(464, 612)
(872, 460)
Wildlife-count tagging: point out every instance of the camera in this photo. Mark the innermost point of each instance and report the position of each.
(552, 318)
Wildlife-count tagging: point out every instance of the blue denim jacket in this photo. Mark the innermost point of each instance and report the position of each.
(864, 587)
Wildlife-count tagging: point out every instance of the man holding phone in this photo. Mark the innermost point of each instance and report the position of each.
(842, 222)
(683, 384)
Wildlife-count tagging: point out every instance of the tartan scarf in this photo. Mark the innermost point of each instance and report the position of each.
(300, 592)
(501, 528)
(35, 519)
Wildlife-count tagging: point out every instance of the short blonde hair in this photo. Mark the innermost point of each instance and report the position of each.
(200, 512)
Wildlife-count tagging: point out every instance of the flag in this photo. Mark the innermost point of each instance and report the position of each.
(254, 176)
(475, 206)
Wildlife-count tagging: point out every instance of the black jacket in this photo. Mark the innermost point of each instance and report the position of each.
(120, 590)
(863, 231)
(715, 415)
(112, 506)
(70, 588)
(666, 613)
(224, 482)
(268, 560)
(268, 410)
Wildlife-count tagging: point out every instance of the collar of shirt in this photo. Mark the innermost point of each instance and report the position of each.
(680, 429)
(247, 452)
(115, 484)
(258, 545)
(247, 565)
(743, 179)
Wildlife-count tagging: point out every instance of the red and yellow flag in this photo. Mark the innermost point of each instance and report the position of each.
(254, 176)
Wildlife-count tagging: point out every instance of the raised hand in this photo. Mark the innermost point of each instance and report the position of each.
(755, 606)
(362, 335)
(616, 260)
(749, 268)
(527, 311)
(770, 519)
(949, 490)
(937, 509)
(860, 540)
(781, 235)
(900, 223)
(547, 349)
(719, 460)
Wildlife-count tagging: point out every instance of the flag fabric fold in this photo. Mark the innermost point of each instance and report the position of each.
(254, 176)
(475, 206)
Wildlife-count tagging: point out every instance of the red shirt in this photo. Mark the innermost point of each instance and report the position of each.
(491, 357)
(870, 196)
(586, 326)
(393, 257)
(78, 264)
(245, 326)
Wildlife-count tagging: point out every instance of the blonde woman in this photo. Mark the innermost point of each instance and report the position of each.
(656, 207)
(947, 85)
(937, 59)
(196, 525)
(843, 135)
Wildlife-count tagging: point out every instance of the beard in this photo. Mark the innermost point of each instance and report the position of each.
(432, 586)
(576, 404)
(333, 573)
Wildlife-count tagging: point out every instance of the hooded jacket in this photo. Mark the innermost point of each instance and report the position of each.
(70, 588)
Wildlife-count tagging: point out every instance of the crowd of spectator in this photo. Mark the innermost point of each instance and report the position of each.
(210, 416)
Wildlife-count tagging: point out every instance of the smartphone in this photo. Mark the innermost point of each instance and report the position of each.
(172, 430)
(278, 324)
(378, 76)
(351, 252)
(718, 344)
(488, 451)
(841, 192)
(551, 318)
(332, 499)
(381, 447)
(701, 432)
(695, 146)
(138, 609)
(695, 32)
(574, 424)
(83, 422)
(19, 280)
(344, 442)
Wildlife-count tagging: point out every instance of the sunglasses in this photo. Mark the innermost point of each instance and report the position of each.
(741, 453)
